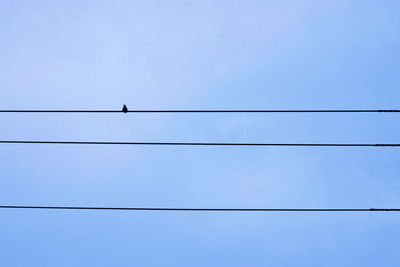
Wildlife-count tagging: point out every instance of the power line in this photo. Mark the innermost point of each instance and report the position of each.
(194, 144)
(193, 209)
(207, 111)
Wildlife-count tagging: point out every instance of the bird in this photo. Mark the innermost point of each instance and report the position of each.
(124, 109)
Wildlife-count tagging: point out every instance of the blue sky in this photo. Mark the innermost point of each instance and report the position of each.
(199, 54)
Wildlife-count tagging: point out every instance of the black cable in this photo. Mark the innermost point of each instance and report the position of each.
(193, 209)
(192, 144)
(206, 111)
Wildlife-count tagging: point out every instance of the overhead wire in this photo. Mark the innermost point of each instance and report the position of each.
(206, 111)
(197, 143)
(196, 209)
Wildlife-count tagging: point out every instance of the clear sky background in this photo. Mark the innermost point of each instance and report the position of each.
(197, 55)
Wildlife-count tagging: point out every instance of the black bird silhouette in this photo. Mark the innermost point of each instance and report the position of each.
(124, 109)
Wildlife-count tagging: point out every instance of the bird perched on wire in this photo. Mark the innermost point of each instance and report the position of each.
(124, 109)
